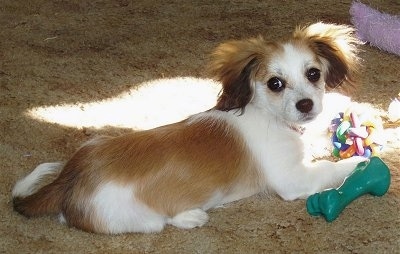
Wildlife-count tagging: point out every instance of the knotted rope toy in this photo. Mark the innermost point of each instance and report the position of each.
(354, 135)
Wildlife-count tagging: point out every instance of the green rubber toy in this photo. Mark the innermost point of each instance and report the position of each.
(370, 177)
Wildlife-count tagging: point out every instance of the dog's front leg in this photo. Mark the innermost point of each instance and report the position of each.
(304, 179)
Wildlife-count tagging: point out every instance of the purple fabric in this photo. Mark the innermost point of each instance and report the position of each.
(379, 29)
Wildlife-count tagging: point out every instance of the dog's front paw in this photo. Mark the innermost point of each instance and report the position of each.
(343, 169)
(189, 219)
(355, 160)
(348, 165)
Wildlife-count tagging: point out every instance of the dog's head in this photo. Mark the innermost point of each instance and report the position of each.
(288, 79)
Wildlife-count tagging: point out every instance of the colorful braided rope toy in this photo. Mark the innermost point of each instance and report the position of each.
(354, 135)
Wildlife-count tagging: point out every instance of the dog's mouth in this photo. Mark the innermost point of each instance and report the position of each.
(305, 118)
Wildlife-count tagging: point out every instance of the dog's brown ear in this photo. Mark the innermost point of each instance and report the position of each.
(235, 64)
(336, 44)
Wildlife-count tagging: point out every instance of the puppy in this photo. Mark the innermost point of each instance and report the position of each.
(248, 143)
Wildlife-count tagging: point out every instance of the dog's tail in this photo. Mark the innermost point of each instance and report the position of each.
(37, 193)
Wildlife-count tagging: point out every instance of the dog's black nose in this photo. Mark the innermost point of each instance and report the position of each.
(304, 105)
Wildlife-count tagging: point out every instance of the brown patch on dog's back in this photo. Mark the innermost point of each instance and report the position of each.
(179, 166)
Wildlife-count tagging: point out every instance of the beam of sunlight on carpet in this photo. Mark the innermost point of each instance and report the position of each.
(152, 104)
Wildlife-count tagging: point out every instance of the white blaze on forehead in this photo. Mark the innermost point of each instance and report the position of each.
(292, 62)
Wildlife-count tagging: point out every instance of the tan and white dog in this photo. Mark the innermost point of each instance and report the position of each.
(248, 143)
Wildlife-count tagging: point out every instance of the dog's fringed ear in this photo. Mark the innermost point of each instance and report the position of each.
(235, 64)
(336, 44)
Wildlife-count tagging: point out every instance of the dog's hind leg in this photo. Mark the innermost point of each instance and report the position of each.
(116, 210)
(189, 219)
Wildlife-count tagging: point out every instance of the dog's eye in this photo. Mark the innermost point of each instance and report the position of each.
(276, 84)
(313, 74)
